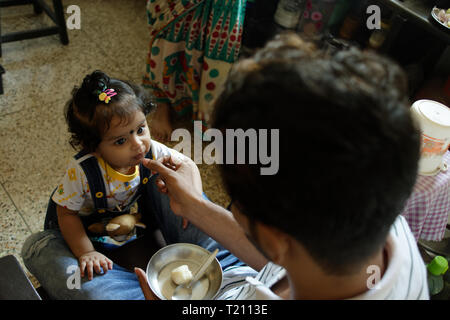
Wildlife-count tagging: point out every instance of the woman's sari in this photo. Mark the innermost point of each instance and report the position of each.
(193, 46)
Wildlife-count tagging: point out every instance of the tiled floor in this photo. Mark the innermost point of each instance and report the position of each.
(40, 74)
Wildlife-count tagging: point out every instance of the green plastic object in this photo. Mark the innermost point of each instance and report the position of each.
(438, 266)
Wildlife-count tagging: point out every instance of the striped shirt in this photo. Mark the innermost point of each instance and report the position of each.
(405, 277)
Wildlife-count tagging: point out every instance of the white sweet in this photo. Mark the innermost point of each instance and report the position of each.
(181, 275)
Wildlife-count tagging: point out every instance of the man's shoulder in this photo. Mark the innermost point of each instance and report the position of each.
(411, 277)
(401, 231)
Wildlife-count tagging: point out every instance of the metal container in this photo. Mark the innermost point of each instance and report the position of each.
(172, 256)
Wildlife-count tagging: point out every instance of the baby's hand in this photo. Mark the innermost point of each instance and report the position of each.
(93, 261)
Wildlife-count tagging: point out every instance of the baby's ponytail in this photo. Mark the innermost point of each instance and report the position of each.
(86, 97)
(95, 81)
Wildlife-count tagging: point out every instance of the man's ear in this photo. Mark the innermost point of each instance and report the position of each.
(274, 242)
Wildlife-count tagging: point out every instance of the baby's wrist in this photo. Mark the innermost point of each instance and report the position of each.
(83, 253)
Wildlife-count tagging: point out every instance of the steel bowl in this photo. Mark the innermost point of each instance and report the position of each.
(166, 259)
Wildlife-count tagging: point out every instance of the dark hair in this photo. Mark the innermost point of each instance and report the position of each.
(348, 150)
(88, 118)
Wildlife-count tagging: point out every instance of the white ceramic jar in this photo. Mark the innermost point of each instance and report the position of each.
(434, 120)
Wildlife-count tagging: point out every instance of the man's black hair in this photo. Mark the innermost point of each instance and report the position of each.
(348, 149)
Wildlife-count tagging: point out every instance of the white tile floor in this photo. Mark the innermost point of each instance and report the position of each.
(40, 74)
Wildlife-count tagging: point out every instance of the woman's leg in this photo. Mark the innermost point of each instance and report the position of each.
(161, 125)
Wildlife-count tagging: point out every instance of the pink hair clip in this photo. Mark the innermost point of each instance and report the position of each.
(106, 95)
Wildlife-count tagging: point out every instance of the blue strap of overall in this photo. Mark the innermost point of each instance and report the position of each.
(94, 177)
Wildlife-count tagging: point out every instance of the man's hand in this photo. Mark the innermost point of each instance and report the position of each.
(146, 290)
(94, 261)
(179, 179)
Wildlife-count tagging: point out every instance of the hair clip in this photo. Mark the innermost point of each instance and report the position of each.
(106, 95)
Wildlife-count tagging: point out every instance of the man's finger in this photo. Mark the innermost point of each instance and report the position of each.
(160, 183)
(185, 223)
(174, 161)
(142, 277)
(158, 167)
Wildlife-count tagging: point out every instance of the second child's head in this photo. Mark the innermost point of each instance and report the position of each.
(107, 117)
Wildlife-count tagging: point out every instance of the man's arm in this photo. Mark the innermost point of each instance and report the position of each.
(220, 225)
(181, 180)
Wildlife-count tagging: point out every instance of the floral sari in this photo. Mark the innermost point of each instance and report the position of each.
(192, 48)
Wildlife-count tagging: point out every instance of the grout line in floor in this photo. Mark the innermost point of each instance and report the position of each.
(9, 113)
(15, 206)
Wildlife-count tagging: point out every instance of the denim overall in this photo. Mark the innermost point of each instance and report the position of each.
(102, 214)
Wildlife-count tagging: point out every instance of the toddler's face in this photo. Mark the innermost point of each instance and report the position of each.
(125, 145)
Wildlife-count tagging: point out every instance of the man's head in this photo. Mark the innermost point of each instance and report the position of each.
(348, 149)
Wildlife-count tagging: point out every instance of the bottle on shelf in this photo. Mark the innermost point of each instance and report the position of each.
(436, 270)
(286, 16)
(288, 13)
